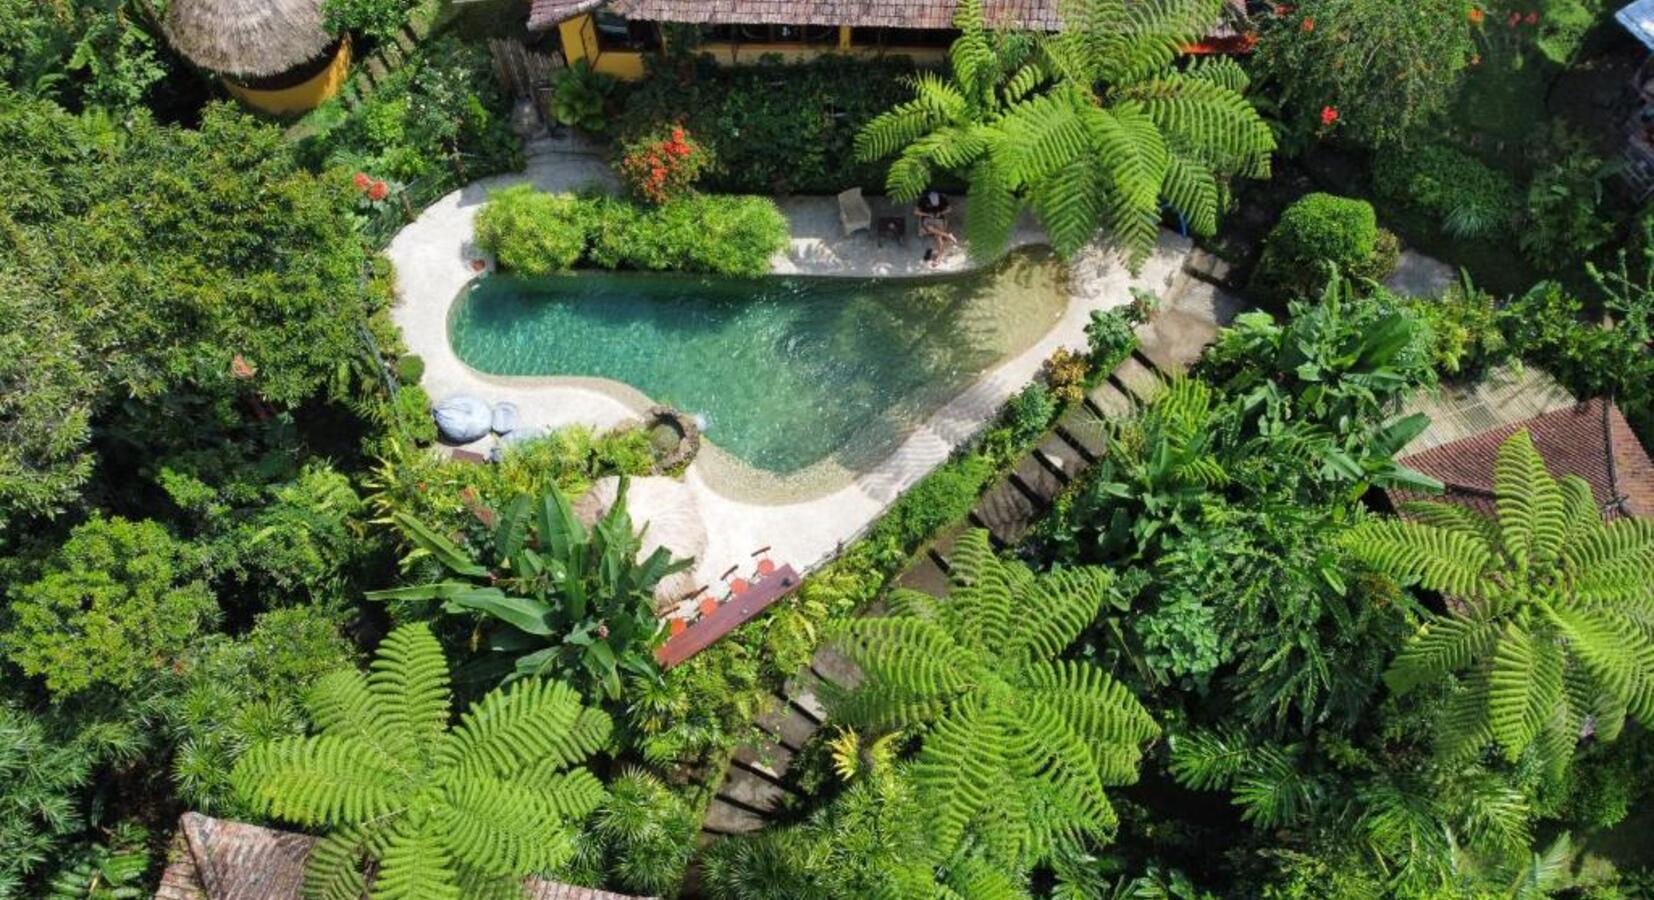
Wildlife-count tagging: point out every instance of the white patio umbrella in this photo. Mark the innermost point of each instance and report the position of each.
(668, 508)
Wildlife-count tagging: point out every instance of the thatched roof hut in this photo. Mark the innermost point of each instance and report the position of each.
(248, 38)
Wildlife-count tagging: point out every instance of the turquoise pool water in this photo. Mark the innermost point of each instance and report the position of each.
(785, 372)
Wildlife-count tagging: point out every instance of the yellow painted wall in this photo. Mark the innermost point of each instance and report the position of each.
(579, 36)
(301, 97)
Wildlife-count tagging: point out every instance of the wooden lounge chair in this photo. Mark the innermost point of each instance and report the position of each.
(853, 212)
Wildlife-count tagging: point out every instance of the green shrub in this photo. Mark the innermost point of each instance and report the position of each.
(942, 498)
(1465, 330)
(774, 127)
(1110, 337)
(718, 234)
(1469, 198)
(1317, 230)
(1030, 412)
(532, 232)
(580, 96)
(1563, 220)
(410, 367)
(640, 839)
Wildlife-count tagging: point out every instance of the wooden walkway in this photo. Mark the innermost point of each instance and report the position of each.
(757, 780)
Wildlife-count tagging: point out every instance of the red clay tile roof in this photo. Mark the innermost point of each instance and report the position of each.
(215, 859)
(1591, 440)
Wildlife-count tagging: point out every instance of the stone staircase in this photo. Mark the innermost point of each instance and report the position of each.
(757, 780)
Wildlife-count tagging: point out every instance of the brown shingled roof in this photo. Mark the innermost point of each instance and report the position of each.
(1591, 440)
(855, 13)
(215, 859)
(543, 14)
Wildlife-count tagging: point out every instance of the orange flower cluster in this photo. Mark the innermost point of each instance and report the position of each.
(661, 168)
(374, 189)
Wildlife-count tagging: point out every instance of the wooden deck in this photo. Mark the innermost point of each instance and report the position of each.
(731, 614)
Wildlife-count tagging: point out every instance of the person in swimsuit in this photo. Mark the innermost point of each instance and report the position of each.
(932, 211)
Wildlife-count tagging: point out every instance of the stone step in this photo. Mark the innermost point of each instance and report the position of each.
(1173, 339)
(1139, 380)
(788, 725)
(927, 576)
(1033, 476)
(1060, 455)
(747, 789)
(804, 690)
(1006, 512)
(1109, 401)
(726, 818)
(832, 666)
(768, 758)
(1084, 429)
(942, 546)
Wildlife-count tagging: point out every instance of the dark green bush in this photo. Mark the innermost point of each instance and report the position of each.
(1317, 230)
(718, 234)
(532, 232)
(774, 127)
(1110, 337)
(1030, 412)
(1470, 199)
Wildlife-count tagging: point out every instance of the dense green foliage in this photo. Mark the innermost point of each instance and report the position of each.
(1464, 194)
(535, 233)
(561, 599)
(443, 812)
(106, 53)
(773, 128)
(1093, 129)
(1318, 231)
(1545, 607)
(1388, 68)
(375, 18)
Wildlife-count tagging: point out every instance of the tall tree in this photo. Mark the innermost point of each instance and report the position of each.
(1549, 609)
(446, 813)
(1018, 743)
(1093, 128)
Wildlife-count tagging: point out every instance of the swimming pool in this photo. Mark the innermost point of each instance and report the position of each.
(784, 372)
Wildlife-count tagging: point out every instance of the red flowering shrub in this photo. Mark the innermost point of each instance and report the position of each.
(663, 165)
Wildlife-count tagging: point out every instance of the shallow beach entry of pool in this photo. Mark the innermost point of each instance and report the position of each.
(785, 373)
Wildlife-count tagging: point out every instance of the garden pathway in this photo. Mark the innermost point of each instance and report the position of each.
(758, 779)
(802, 521)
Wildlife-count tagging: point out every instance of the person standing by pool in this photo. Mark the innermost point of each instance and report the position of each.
(932, 211)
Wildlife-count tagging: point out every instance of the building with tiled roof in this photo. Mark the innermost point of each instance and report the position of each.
(215, 859)
(615, 36)
(1591, 440)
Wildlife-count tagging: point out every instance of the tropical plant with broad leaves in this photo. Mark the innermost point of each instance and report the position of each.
(554, 596)
(1097, 126)
(442, 812)
(1018, 743)
(1550, 610)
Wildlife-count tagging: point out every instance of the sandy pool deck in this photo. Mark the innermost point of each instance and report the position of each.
(434, 259)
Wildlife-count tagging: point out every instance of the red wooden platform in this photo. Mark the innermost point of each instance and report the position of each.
(727, 617)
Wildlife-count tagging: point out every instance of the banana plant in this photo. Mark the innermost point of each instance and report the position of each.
(551, 596)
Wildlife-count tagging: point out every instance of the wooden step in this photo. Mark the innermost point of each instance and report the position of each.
(832, 666)
(768, 758)
(788, 725)
(1174, 339)
(743, 788)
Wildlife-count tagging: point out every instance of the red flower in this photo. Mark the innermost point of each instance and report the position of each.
(378, 191)
(677, 134)
(362, 181)
(1513, 19)
(1309, 24)
(1476, 16)
(1532, 18)
(1329, 115)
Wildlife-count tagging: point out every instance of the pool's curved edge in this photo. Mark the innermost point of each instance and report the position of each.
(432, 260)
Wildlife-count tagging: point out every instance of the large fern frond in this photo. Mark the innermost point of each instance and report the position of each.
(1051, 615)
(415, 865)
(1441, 646)
(527, 722)
(320, 781)
(1524, 687)
(1532, 515)
(1448, 561)
(409, 680)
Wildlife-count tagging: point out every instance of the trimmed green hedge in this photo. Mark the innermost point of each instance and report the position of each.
(535, 233)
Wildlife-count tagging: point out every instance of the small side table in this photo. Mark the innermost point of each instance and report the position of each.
(891, 228)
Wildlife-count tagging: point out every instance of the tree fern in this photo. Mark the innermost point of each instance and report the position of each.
(461, 812)
(1018, 746)
(1094, 128)
(1548, 613)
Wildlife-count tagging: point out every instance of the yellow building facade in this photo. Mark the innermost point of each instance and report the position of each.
(301, 97)
(606, 49)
